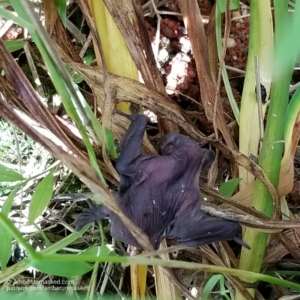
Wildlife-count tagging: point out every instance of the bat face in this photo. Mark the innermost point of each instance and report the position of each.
(160, 193)
(173, 142)
(181, 145)
(208, 158)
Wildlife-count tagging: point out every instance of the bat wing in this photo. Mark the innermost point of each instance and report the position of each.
(194, 229)
(91, 214)
(146, 202)
(127, 166)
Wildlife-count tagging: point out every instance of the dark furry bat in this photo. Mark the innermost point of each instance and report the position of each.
(161, 194)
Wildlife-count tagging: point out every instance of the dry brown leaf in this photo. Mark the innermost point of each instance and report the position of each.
(265, 225)
(286, 178)
(288, 244)
(57, 31)
(212, 46)
(162, 285)
(276, 251)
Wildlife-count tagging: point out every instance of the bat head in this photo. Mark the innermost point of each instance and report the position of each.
(208, 158)
(183, 146)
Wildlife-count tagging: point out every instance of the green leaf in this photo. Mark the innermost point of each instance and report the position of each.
(234, 4)
(103, 250)
(14, 45)
(88, 58)
(110, 143)
(41, 197)
(211, 283)
(291, 120)
(74, 75)
(61, 268)
(72, 98)
(9, 175)
(61, 6)
(222, 288)
(232, 100)
(5, 236)
(6, 208)
(228, 187)
(10, 16)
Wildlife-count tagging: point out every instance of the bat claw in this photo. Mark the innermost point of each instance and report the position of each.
(91, 214)
(241, 242)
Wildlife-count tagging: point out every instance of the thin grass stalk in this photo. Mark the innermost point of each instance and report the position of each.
(225, 78)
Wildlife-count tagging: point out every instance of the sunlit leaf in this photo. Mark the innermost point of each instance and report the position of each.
(61, 268)
(41, 197)
(104, 250)
(9, 175)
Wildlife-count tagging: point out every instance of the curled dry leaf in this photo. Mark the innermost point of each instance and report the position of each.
(250, 221)
(276, 251)
(286, 178)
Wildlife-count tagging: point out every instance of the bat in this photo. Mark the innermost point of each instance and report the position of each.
(161, 194)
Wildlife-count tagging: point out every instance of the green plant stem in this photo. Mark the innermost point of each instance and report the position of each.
(47, 255)
(167, 263)
(5, 224)
(271, 152)
(261, 43)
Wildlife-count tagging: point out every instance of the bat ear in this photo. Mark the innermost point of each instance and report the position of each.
(208, 158)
